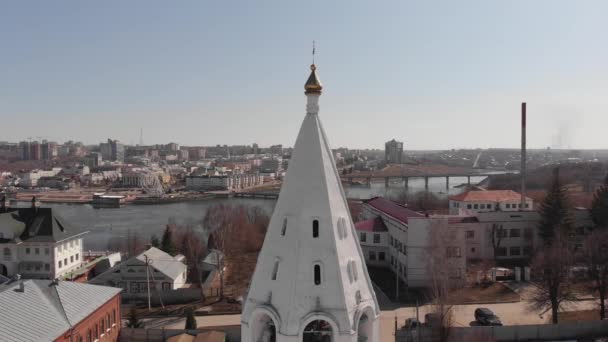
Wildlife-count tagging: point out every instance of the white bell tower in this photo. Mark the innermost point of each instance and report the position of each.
(310, 282)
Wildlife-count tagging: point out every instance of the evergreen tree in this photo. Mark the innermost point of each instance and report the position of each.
(154, 241)
(166, 244)
(190, 319)
(555, 219)
(134, 321)
(599, 207)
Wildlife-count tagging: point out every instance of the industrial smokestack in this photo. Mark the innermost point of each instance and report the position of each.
(523, 156)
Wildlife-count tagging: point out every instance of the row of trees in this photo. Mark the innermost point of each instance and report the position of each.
(554, 261)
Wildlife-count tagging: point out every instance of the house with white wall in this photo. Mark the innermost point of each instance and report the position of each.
(38, 244)
(164, 272)
(405, 236)
(478, 201)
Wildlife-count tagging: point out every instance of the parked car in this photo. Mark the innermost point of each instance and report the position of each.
(411, 324)
(485, 316)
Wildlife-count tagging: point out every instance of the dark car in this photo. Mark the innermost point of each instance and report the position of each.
(485, 316)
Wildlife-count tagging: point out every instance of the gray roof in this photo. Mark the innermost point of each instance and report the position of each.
(37, 225)
(44, 310)
(163, 262)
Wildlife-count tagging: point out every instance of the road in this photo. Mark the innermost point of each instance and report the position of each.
(510, 314)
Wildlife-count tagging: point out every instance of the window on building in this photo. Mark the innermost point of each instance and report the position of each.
(501, 251)
(515, 251)
(372, 255)
(317, 274)
(469, 206)
(275, 270)
(71, 259)
(489, 206)
(47, 267)
(37, 251)
(515, 233)
(96, 332)
(381, 256)
(454, 273)
(284, 229)
(527, 205)
(27, 250)
(508, 205)
(102, 326)
(472, 249)
(362, 236)
(38, 267)
(315, 228)
(47, 251)
(376, 238)
(65, 261)
(59, 263)
(7, 253)
(475, 206)
(108, 325)
(453, 252)
(113, 316)
(391, 239)
(77, 256)
(89, 336)
(166, 286)
(134, 288)
(392, 259)
(469, 234)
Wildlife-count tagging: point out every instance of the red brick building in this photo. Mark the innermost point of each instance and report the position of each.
(59, 311)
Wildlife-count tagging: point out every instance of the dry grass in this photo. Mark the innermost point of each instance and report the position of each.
(495, 293)
(576, 316)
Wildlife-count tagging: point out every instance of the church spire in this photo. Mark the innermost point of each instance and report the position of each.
(310, 278)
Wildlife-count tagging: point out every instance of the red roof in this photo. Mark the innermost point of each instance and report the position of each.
(487, 196)
(371, 225)
(393, 209)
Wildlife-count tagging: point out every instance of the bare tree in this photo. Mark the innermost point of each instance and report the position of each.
(595, 258)
(191, 245)
(497, 233)
(551, 267)
(444, 266)
(233, 231)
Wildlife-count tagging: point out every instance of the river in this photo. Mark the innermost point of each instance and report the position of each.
(105, 226)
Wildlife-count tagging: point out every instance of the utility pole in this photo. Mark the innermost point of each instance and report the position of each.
(148, 280)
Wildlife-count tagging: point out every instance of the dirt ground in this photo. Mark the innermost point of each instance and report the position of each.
(575, 316)
(495, 293)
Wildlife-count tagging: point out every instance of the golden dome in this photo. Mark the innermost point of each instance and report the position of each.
(313, 85)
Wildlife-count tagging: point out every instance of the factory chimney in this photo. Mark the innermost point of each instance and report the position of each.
(523, 156)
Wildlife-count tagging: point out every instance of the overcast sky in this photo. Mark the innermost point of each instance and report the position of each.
(434, 74)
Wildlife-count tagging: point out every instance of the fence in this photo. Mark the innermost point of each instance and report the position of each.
(177, 296)
(539, 332)
(233, 334)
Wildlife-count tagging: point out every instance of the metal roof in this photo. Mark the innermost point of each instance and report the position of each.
(163, 262)
(45, 310)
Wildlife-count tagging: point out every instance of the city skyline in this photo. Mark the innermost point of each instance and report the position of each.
(434, 77)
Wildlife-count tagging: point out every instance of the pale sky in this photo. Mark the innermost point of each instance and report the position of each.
(434, 74)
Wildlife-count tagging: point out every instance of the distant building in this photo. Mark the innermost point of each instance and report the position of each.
(167, 273)
(393, 152)
(37, 243)
(223, 182)
(30, 179)
(48, 150)
(490, 200)
(47, 310)
(113, 150)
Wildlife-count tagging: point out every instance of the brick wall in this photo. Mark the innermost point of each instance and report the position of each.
(90, 328)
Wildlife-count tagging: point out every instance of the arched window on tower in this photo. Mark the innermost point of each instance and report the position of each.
(317, 274)
(284, 229)
(275, 269)
(315, 228)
